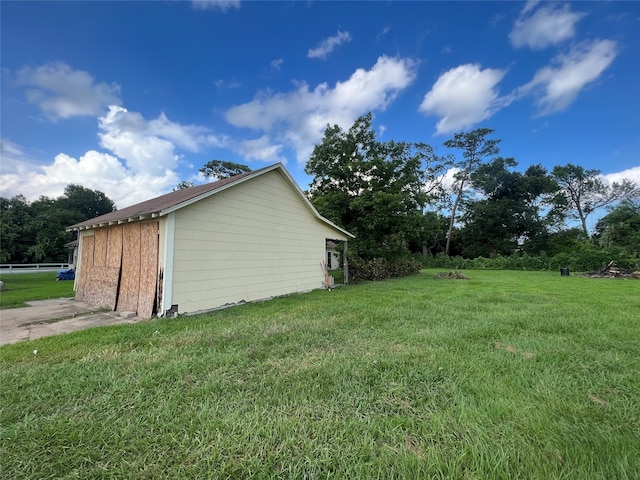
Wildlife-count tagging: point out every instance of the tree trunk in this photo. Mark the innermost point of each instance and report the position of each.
(453, 218)
(583, 220)
(584, 225)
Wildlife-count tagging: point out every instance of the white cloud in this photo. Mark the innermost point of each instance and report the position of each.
(546, 26)
(632, 174)
(222, 5)
(463, 96)
(13, 156)
(556, 87)
(125, 135)
(449, 178)
(141, 163)
(61, 92)
(222, 84)
(150, 146)
(297, 119)
(328, 45)
(261, 149)
(530, 5)
(95, 170)
(384, 31)
(275, 64)
(190, 137)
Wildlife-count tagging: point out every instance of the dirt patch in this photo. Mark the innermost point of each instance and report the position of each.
(597, 400)
(511, 349)
(412, 446)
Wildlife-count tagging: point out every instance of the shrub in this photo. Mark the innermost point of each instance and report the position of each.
(442, 260)
(381, 268)
(588, 257)
(583, 256)
(561, 260)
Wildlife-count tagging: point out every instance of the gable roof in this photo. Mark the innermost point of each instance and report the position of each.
(170, 202)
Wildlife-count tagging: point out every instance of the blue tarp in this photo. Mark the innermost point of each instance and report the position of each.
(67, 274)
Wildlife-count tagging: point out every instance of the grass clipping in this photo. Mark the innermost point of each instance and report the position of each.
(451, 276)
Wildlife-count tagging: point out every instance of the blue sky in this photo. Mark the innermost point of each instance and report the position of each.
(132, 97)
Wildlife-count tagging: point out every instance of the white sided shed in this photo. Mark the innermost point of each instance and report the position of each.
(248, 237)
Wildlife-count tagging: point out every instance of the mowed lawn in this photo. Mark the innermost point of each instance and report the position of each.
(24, 287)
(506, 375)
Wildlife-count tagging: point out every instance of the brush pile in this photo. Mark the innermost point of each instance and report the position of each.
(611, 270)
(451, 276)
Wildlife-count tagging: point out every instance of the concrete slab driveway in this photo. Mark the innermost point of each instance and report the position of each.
(52, 317)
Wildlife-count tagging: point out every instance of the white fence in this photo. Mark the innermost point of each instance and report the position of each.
(32, 267)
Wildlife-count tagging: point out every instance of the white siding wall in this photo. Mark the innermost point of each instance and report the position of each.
(253, 241)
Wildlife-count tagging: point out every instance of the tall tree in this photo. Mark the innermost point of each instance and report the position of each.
(434, 169)
(35, 232)
(182, 184)
(15, 214)
(429, 233)
(223, 169)
(621, 228)
(509, 216)
(583, 191)
(376, 190)
(83, 203)
(476, 147)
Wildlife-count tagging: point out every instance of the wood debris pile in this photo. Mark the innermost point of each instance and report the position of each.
(451, 276)
(611, 270)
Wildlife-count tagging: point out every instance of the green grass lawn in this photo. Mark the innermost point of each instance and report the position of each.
(24, 287)
(506, 375)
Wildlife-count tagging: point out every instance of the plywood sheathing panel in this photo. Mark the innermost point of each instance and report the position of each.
(100, 247)
(130, 277)
(114, 247)
(86, 265)
(102, 287)
(98, 284)
(148, 268)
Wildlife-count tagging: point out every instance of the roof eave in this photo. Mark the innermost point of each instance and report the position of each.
(132, 219)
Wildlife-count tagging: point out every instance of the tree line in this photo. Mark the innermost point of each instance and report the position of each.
(34, 232)
(403, 201)
(395, 197)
